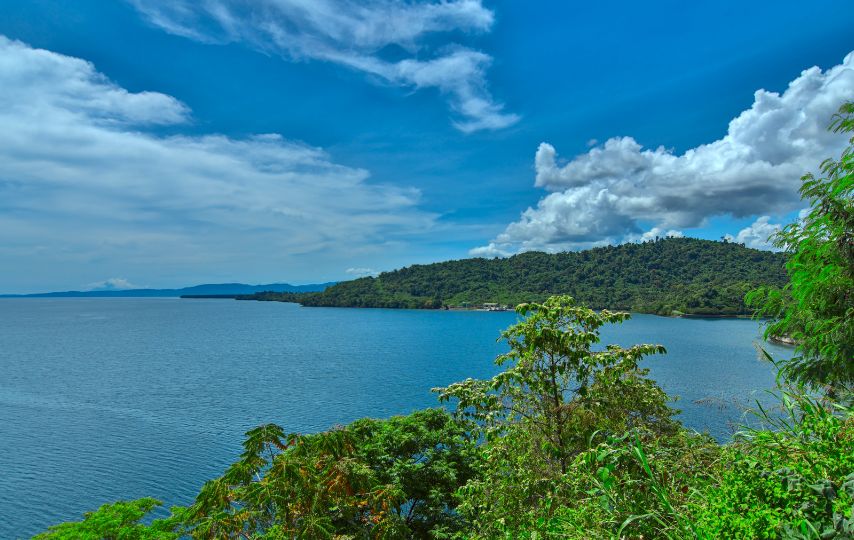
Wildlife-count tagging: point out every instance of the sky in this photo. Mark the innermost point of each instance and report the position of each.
(165, 143)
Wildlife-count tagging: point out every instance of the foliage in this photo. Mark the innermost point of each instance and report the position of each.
(539, 414)
(380, 479)
(624, 487)
(794, 480)
(816, 307)
(664, 276)
(117, 521)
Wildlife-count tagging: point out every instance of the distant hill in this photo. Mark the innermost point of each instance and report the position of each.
(666, 276)
(225, 289)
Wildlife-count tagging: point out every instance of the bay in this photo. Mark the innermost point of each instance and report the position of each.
(119, 398)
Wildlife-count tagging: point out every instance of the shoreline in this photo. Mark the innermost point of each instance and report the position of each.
(674, 315)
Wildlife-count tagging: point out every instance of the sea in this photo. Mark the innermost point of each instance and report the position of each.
(104, 399)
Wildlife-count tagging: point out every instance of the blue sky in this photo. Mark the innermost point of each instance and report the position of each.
(263, 141)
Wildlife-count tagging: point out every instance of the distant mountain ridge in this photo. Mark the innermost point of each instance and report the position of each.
(206, 289)
(668, 276)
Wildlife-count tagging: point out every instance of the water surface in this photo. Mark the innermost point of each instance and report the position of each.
(113, 398)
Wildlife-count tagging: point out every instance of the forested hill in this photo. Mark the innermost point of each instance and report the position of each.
(669, 275)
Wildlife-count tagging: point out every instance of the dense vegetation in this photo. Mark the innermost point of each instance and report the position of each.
(663, 276)
(816, 307)
(571, 440)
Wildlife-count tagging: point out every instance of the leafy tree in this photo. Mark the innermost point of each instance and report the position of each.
(556, 394)
(816, 308)
(117, 521)
(374, 478)
(559, 386)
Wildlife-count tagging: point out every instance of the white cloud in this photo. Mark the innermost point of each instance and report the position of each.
(39, 83)
(757, 234)
(112, 284)
(361, 272)
(652, 234)
(84, 181)
(489, 251)
(607, 194)
(354, 34)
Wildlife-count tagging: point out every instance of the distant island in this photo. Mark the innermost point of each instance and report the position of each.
(211, 290)
(667, 276)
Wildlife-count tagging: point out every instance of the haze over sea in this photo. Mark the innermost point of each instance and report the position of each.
(106, 399)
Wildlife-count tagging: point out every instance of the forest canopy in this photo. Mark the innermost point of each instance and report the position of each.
(665, 276)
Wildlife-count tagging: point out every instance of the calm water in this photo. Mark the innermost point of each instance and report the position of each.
(102, 399)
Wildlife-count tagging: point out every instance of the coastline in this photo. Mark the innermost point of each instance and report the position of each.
(499, 308)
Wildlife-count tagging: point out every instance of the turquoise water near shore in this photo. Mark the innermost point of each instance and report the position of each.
(119, 398)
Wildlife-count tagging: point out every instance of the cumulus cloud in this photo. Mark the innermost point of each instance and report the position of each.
(361, 272)
(489, 251)
(84, 179)
(615, 191)
(757, 234)
(354, 34)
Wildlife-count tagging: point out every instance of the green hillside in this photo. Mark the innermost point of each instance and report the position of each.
(669, 275)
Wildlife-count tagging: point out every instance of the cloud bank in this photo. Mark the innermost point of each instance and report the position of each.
(354, 34)
(85, 180)
(614, 191)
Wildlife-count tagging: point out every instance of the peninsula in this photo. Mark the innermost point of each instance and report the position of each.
(666, 276)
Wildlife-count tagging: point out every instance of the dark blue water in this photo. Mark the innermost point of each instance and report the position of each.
(102, 399)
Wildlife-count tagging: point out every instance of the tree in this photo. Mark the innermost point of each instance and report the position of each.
(558, 386)
(816, 308)
(388, 479)
(557, 393)
(117, 521)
